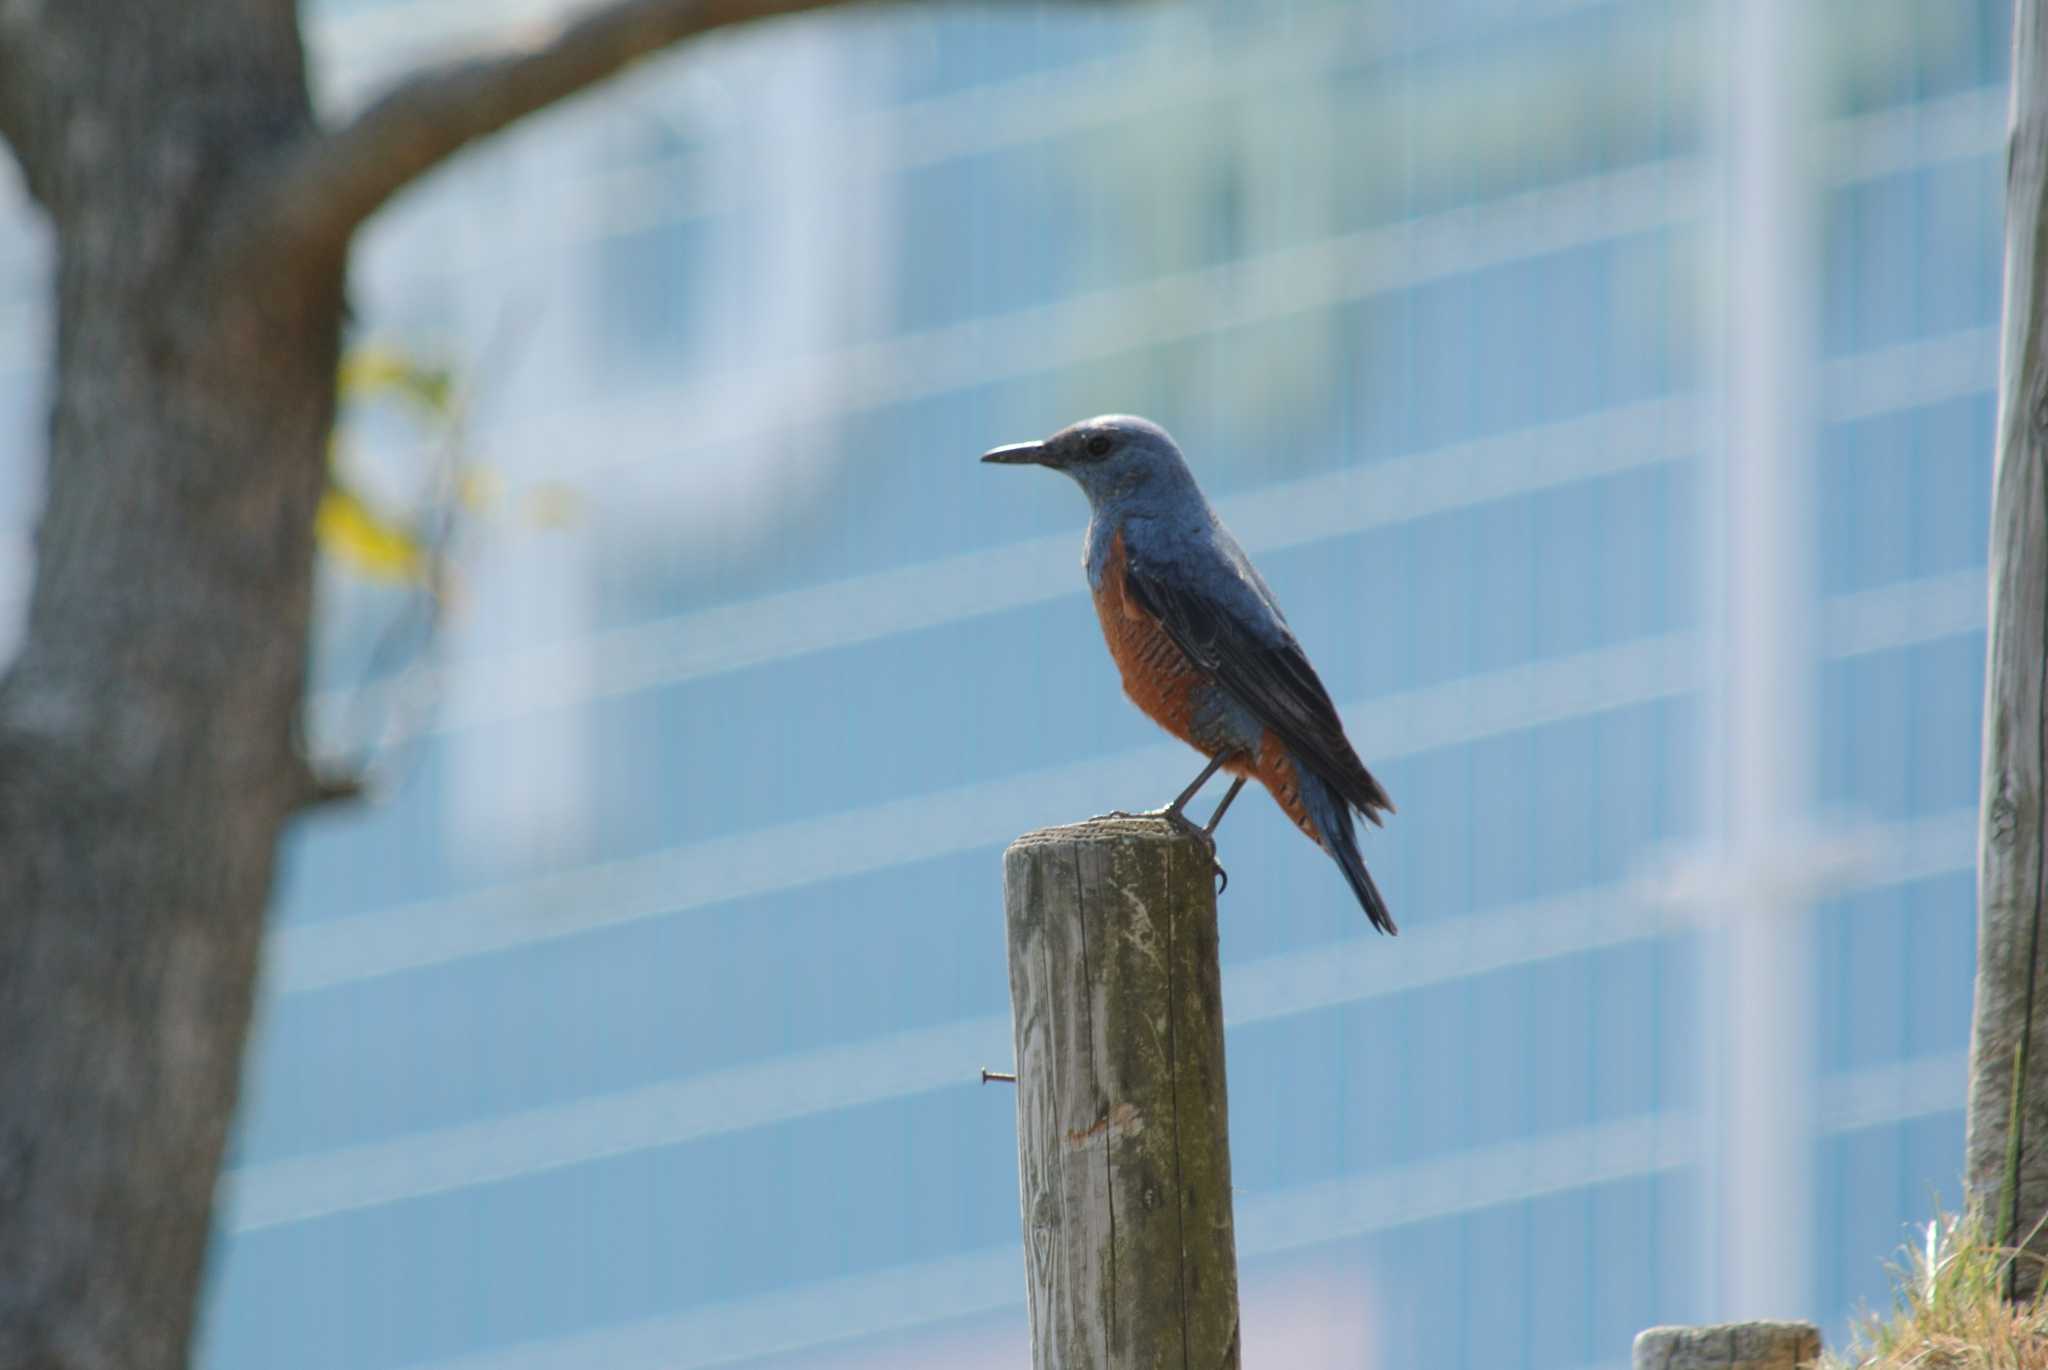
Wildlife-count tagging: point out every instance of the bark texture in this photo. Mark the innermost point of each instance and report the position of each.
(147, 761)
(1123, 1127)
(2006, 1146)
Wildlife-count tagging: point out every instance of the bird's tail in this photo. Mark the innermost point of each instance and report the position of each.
(1339, 836)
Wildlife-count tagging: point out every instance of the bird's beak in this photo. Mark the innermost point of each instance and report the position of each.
(1018, 454)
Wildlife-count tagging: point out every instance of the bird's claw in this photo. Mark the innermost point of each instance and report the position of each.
(1180, 819)
(1202, 835)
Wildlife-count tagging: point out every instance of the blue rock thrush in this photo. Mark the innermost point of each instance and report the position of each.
(1201, 644)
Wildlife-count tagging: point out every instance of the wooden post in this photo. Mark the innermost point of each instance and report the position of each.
(2006, 1143)
(1730, 1346)
(1123, 1140)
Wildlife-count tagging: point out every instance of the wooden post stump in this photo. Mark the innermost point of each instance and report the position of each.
(1123, 1140)
(1729, 1346)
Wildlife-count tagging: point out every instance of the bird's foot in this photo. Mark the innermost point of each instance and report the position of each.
(1179, 819)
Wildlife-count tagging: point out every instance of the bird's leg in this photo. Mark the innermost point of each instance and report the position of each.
(1176, 812)
(1217, 817)
(1209, 833)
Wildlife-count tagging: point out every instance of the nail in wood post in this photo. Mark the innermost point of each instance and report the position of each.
(1729, 1346)
(1123, 1138)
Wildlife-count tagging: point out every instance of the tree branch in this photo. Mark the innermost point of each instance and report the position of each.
(317, 200)
(17, 91)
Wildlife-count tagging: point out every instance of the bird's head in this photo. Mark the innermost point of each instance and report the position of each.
(1111, 457)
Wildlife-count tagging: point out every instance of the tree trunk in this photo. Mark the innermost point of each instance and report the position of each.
(2005, 1155)
(147, 757)
(147, 762)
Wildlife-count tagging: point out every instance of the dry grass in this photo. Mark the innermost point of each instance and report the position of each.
(1947, 1313)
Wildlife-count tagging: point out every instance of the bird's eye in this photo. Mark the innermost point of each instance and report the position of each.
(1098, 446)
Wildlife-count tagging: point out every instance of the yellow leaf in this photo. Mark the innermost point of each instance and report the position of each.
(374, 371)
(357, 535)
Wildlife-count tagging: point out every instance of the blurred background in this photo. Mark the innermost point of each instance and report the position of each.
(1604, 386)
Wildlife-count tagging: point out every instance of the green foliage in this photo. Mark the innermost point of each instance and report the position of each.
(1949, 1312)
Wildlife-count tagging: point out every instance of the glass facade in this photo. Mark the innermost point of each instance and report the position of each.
(638, 1023)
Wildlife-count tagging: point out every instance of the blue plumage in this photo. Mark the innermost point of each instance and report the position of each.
(1201, 642)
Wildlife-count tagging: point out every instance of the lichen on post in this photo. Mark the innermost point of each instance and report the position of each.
(1729, 1346)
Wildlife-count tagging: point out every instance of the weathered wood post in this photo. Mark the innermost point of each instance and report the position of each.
(1123, 1141)
(1730, 1346)
(2006, 1142)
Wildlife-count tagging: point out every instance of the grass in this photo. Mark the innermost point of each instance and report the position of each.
(1947, 1311)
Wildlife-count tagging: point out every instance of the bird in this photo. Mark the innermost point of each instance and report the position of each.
(1201, 643)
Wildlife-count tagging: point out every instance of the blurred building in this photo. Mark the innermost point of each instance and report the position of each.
(639, 1026)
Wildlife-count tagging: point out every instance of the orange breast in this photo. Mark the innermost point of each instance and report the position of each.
(1161, 680)
(1158, 676)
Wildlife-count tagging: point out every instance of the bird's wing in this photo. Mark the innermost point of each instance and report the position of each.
(1266, 671)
